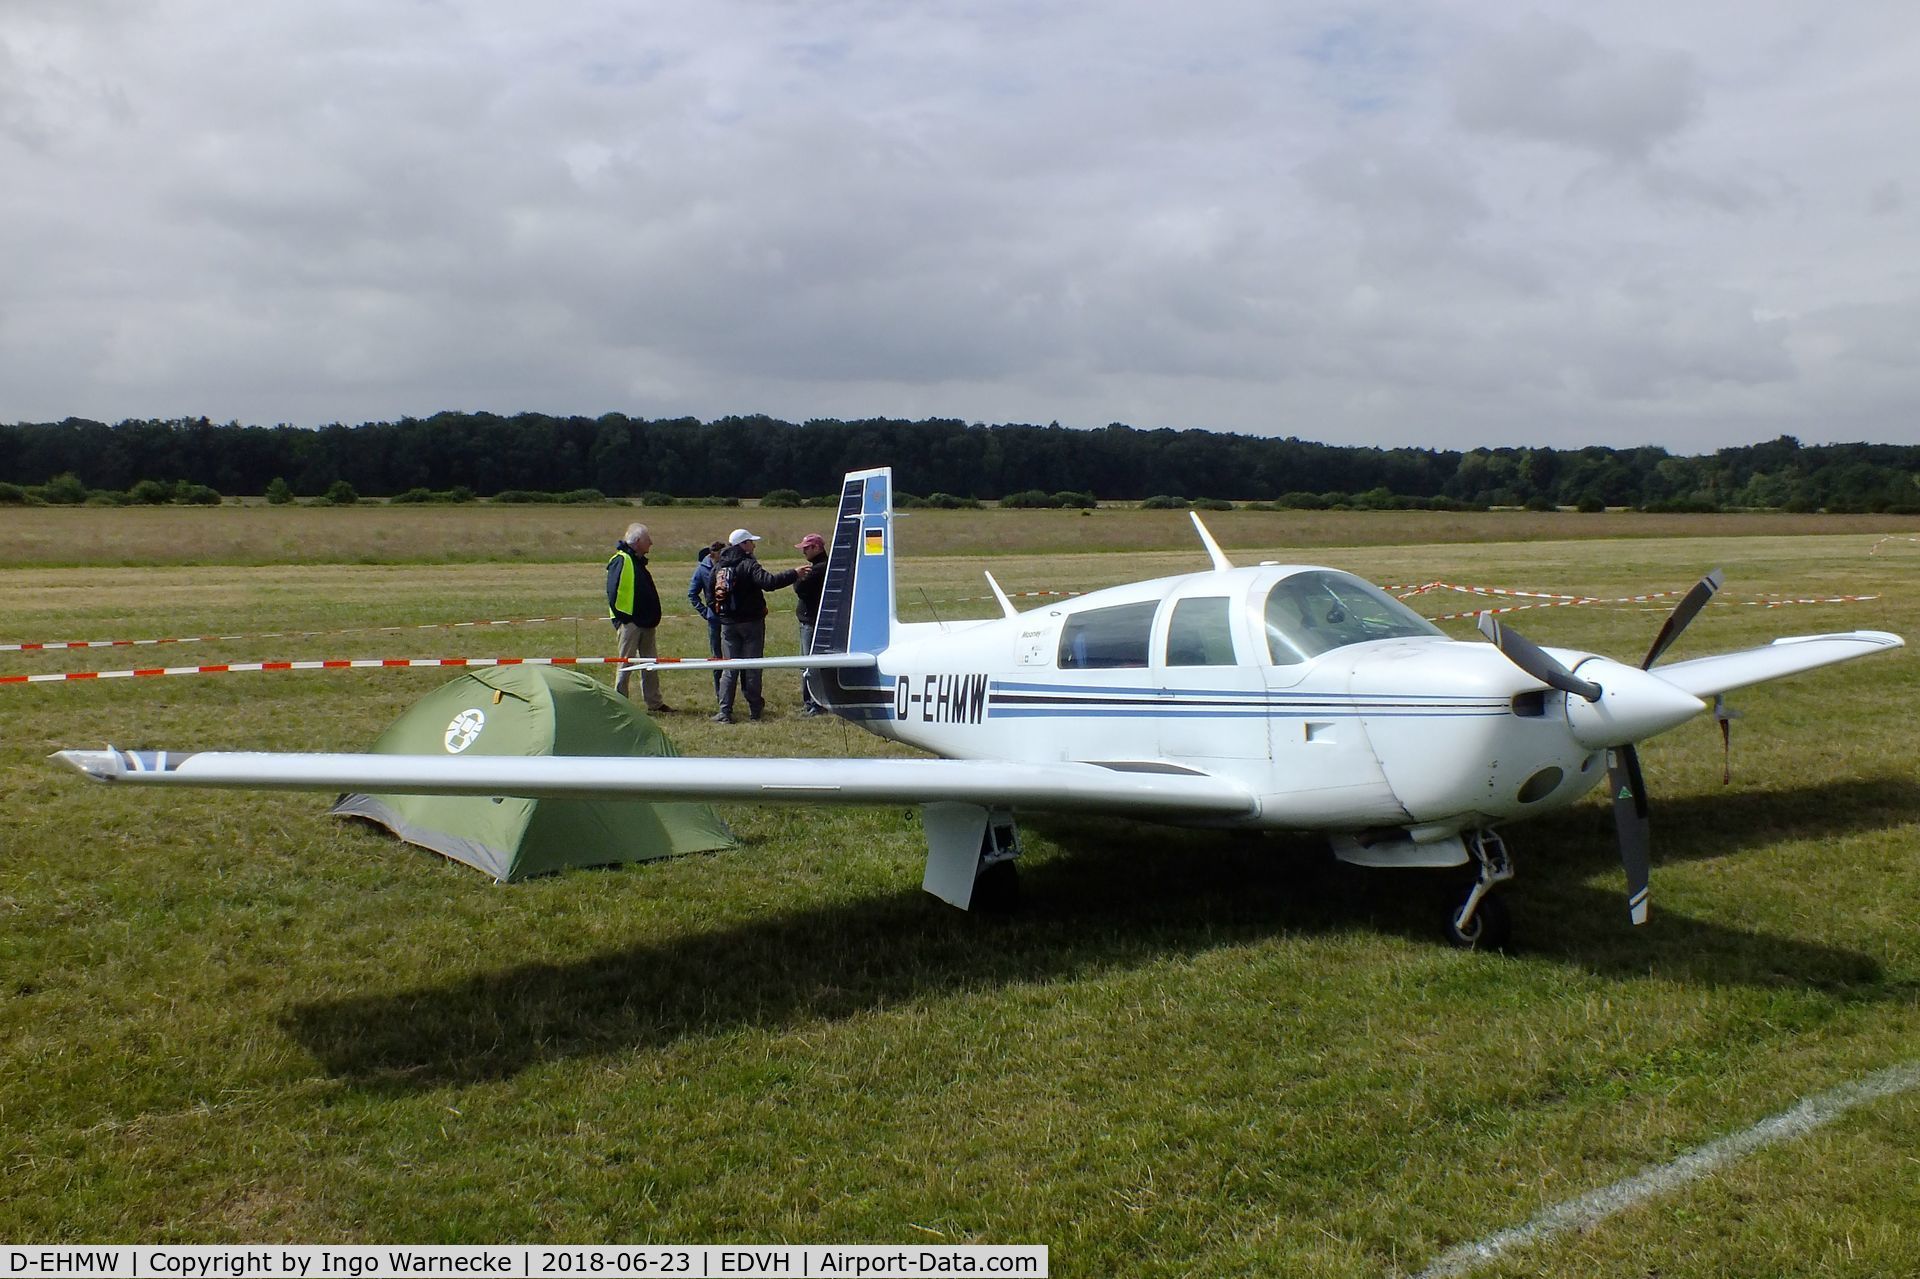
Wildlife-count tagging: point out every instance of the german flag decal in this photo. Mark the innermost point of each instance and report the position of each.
(876, 541)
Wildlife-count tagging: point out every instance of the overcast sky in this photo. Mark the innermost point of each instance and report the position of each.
(1443, 223)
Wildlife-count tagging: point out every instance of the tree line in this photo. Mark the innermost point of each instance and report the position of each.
(488, 455)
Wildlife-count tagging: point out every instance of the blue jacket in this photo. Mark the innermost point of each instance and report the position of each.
(700, 590)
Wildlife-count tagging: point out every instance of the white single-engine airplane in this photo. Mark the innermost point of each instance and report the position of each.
(1278, 697)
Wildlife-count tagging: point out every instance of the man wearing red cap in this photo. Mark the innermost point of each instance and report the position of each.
(807, 592)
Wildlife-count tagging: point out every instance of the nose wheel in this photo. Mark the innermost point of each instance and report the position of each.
(1481, 922)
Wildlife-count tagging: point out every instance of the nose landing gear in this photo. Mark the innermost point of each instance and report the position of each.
(1481, 922)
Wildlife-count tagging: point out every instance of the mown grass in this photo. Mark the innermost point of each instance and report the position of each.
(224, 1017)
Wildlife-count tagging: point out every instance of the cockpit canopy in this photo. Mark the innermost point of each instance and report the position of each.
(1305, 614)
(1314, 612)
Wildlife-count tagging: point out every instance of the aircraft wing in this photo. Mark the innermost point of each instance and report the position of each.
(1708, 676)
(1141, 790)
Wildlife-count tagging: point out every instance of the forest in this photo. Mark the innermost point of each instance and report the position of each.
(490, 455)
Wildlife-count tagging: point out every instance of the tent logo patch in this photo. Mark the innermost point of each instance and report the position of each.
(464, 729)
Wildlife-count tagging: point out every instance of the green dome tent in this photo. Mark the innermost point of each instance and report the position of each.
(533, 710)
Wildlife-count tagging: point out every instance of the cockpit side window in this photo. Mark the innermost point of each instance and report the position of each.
(1200, 633)
(1103, 638)
(1312, 613)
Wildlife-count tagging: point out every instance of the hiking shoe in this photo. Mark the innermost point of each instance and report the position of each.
(723, 718)
(811, 711)
(661, 709)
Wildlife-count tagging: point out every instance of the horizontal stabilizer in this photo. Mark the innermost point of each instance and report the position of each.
(1062, 787)
(1707, 676)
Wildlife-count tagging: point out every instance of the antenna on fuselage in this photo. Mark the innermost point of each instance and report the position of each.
(1220, 561)
(1006, 605)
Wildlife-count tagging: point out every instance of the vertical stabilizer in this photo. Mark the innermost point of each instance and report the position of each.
(856, 604)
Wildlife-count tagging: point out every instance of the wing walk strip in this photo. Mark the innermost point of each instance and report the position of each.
(1590, 1209)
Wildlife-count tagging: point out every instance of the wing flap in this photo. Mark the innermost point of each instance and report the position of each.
(1063, 787)
(1708, 676)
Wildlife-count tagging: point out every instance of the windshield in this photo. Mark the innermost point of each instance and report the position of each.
(1311, 613)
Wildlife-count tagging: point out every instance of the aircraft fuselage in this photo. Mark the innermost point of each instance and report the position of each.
(1410, 730)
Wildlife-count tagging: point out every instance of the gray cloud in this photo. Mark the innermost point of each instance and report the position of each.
(1413, 229)
(1554, 82)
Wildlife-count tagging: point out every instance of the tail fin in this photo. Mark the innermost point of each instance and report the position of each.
(856, 603)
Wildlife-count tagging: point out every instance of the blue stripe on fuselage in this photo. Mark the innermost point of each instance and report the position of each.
(1027, 701)
(1070, 701)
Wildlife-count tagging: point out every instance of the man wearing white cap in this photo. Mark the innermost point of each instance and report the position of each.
(740, 585)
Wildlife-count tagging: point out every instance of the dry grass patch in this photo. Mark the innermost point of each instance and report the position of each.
(378, 534)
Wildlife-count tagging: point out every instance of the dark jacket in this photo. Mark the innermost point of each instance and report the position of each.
(646, 598)
(747, 585)
(807, 592)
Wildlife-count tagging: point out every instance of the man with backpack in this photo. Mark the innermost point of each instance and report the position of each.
(740, 585)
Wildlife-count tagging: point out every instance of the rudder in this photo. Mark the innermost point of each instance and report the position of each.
(856, 602)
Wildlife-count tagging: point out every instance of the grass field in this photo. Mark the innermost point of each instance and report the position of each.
(59, 536)
(224, 1017)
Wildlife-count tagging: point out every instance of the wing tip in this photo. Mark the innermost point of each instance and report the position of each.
(1879, 639)
(101, 766)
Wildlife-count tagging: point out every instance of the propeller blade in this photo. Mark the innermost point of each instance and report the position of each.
(1534, 660)
(1683, 613)
(1631, 826)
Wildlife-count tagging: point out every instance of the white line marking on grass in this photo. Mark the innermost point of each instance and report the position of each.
(1573, 1214)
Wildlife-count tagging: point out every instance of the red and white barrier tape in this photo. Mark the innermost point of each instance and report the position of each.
(256, 635)
(1506, 608)
(365, 663)
(1781, 601)
(1764, 601)
(1010, 596)
(1552, 599)
(1407, 592)
(1548, 600)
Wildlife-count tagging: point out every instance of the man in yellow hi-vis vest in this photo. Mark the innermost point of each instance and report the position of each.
(633, 605)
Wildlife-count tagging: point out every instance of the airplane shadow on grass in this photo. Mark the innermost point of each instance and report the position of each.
(1116, 894)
